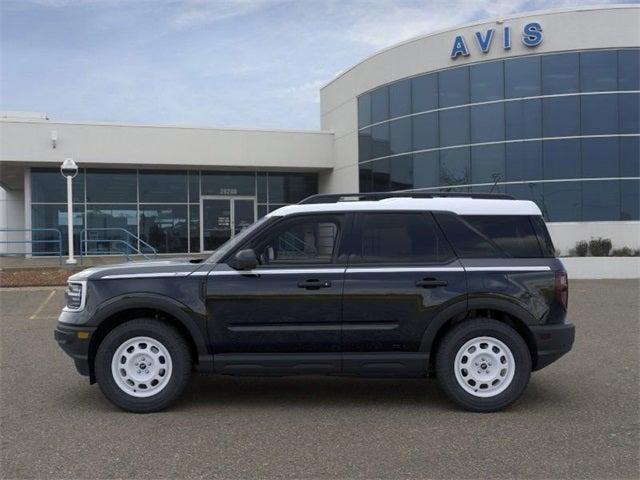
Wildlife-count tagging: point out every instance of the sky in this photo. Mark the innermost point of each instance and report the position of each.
(218, 63)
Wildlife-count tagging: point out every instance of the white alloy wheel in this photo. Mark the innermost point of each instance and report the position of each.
(484, 367)
(141, 367)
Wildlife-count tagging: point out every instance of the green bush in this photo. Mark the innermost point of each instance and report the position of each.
(581, 249)
(600, 247)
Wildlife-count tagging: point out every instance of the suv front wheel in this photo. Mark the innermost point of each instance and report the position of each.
(143, 365)
(483, 365)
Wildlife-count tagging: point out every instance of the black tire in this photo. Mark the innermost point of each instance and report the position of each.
(177, 348)
(456, 338)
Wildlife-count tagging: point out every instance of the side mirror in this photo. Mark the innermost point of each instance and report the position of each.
(245, 260)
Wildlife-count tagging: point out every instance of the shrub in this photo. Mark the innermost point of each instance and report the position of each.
(625, 252)
(600, 247)
(581, 249)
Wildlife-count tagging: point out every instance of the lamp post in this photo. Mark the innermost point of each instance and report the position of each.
(69, 169)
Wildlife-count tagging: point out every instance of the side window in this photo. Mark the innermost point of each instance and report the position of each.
(466, 242)
(512, 233)
(400, 238)
(300, 241)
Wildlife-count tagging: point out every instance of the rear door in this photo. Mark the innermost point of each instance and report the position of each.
(401, 273)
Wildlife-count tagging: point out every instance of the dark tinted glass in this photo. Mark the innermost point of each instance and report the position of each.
(115, 221)
(365, 145)
(381, 171)
(487, 123)
(527, 191)
(194, 228)
(599, 114)
(630, 156)
(380, 104)
(261, 187)
(163, 186)
(522, 77)
(400, 135)
(165, 227)
(364, 110)
(426, 169)
(424, 92)
(366, 177)
(562, 201)
(599, 71)
(487, 81)
(453, 87)
(600, 157)
(629, 70)
(454, 166)
(523, 119)
(487, 164)
(561, 159)
(514, 234)
(194, 186)
(380, 140)
(561, 116)
(219, 183)
(600, 201)
(560, 73)
(629, 200)
(291, 187)
(454, 127)
(523, 161)
(629, 113)
(400, 98)
(466, 242)
(401, 238)
(544, 239)
(402, 172)
(112, 186)
(49, 186)
(52, 217)
(425, 131)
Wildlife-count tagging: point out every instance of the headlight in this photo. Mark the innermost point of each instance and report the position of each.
(75, 295)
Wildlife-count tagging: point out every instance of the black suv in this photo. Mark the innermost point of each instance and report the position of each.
(466, 288)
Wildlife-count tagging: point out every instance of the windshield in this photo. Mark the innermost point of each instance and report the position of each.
(230, 244)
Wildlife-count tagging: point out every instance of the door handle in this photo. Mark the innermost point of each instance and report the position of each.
(431, 283)
(314, 284)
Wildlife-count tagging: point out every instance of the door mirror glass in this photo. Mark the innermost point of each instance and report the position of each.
(245, 260)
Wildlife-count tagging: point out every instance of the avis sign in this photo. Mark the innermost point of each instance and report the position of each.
(531, 37)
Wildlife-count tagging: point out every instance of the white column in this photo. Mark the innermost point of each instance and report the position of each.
(70, 260)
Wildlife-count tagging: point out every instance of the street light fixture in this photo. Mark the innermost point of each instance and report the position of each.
(69, 169)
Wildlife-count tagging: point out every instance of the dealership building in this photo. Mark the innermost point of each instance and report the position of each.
(543, 106)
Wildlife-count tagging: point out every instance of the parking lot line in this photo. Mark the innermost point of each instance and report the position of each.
(42, 305)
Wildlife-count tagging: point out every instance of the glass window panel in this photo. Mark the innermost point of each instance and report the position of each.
(487, 123)
(487, 164)
(163, 186)
(112, 186)
(426, 169)
(629, 113)
(600, 201)
(561, 159)
(291, 187)
(365, 145)
(454, 127)
(53, 217)
(220, 183)
(366, 177)
(424, 93)
(110, 224)
(262, 211)
(600, 157)
(380, 105)
(274, 207)
(425, 131)
(512, 233)
(165, 227)
(561, 116)
(380, 141)
(599, 114)
(523, 119)
(629, 70)
(561, 201)
(364, 110)
(466, 242)
(599, 71)
(560, 73)
(487, 81)
(261, 185)
(453, 87)
(381, 170)
(522, 77)
(194, 186)
(527, 191)
(402, 172)
(49, 186)
(194, 228)
(629, 200)
(523, 161)
(454, 166)
(630, 156)
(400, 135)
(400, 98)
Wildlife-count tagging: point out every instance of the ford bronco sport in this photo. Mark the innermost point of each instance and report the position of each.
(463, 287)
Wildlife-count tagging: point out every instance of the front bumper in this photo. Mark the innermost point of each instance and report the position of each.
(75, 341)
(552, 342)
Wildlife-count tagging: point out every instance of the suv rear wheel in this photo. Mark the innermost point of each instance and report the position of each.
(483, 365)
(143, 365)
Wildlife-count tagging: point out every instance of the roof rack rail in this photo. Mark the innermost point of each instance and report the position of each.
(355, 197)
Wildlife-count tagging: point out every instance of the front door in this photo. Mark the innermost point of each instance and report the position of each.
(224, 217)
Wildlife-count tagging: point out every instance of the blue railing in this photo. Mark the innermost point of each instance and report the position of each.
(131, 243)
(57, 241)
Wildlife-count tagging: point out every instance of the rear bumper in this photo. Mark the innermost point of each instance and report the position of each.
(552, 342)
(75, 341)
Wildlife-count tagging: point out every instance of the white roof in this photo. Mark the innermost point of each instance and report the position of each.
(461, 206)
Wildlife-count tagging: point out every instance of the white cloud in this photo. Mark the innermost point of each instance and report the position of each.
(199, 12)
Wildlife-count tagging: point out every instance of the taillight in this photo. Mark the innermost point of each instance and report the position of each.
(562, 289)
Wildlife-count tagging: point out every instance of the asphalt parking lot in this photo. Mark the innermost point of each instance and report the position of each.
(579, 418)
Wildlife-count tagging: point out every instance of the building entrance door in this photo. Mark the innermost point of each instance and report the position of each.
(221, 218)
